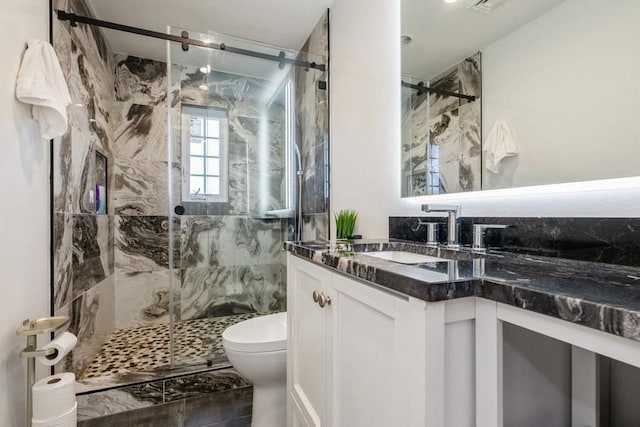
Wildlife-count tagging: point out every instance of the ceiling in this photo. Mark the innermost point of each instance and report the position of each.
(284, 23)
(444, 34)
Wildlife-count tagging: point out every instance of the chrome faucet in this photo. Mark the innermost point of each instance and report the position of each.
(452, 226)
(432, 230)
(480, 232)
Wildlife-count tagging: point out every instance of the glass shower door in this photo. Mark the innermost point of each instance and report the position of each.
(234, 186)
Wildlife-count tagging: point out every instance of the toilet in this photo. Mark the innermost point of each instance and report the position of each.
(257, 349)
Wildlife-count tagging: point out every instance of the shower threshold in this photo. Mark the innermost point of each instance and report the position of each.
(143, 354)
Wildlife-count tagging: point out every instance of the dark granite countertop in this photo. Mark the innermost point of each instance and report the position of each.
(601, 296)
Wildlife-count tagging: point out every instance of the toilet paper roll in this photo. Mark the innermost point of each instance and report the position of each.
(69, 419)
(54, 396)
(63, 344)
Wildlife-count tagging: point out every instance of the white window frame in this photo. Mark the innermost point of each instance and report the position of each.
(221, 116)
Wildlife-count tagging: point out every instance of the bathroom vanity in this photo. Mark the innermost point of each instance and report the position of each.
(375, 342)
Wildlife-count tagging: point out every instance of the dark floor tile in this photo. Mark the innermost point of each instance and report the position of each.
(114, 401)
(218, 407)
(205, 383)
(166, 415)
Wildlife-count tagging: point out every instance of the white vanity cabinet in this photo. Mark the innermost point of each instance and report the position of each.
(351, 363)
(308, 338)
(373, 357)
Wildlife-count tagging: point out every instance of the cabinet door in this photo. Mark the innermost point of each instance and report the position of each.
(307, 361)
(367, 332)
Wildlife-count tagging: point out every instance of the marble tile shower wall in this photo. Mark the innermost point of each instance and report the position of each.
(112, 271)
(225, 261)
(83, 259)
(452, 126)
(312, 128)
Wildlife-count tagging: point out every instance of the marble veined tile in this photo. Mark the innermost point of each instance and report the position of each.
(62, 259)
(238, 173)
(87, 266)
(114, 401)
(141, 187)
(142, 132)
(203, 383)
(315, 226)
(105, 242)
(62, 174)
(266, 166)
(239, 95)
(312, 121)
(144, 298)
(141, 81)
(91, 321)
(471, 128)
(470, 160)
(222, 291)
(142, 243)
(420, 133)
(229, 240)
(445, 134)
(83, 174)
(470, 76)
(440, 104)
(92, 81)
(62, 45)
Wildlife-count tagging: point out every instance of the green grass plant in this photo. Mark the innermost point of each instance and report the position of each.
(345, 223)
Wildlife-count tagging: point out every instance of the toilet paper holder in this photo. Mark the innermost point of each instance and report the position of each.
(31, 329)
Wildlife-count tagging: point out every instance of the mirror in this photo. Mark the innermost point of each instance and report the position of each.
(513, 93)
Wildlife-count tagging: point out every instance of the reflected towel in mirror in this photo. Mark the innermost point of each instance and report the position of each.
(500, 143)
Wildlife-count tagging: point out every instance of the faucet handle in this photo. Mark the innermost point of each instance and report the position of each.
(480, 231)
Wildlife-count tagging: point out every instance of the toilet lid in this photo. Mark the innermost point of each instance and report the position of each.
(263, 333)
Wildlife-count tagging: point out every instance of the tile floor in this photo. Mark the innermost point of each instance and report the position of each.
(144, 353)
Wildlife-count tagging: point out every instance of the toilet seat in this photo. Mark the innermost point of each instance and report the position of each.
(257, 335)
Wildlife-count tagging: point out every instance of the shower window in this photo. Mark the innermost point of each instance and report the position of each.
(204, 148)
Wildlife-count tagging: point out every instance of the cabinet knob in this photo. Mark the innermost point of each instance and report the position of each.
(324, 300)
(316, 296)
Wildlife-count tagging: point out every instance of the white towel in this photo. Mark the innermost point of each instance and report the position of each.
(41, 83)
(500, 143)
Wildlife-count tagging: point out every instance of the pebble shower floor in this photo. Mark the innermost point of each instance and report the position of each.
(147, 348)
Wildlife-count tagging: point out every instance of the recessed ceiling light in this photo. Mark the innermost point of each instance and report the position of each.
(405, 39)
(203, 87)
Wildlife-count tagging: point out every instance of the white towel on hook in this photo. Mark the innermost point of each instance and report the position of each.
(42, 84)
(500, 143)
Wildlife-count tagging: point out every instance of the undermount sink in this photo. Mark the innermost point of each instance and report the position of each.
(403, 257)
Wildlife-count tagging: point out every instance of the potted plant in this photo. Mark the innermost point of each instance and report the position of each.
(345, 223)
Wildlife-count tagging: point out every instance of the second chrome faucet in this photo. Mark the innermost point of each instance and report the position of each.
(452, 225)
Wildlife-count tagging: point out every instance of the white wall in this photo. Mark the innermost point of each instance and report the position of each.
(365, 112)
(568, 84)
(24, 213)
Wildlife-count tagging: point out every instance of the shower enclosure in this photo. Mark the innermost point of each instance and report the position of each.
(174, 190)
